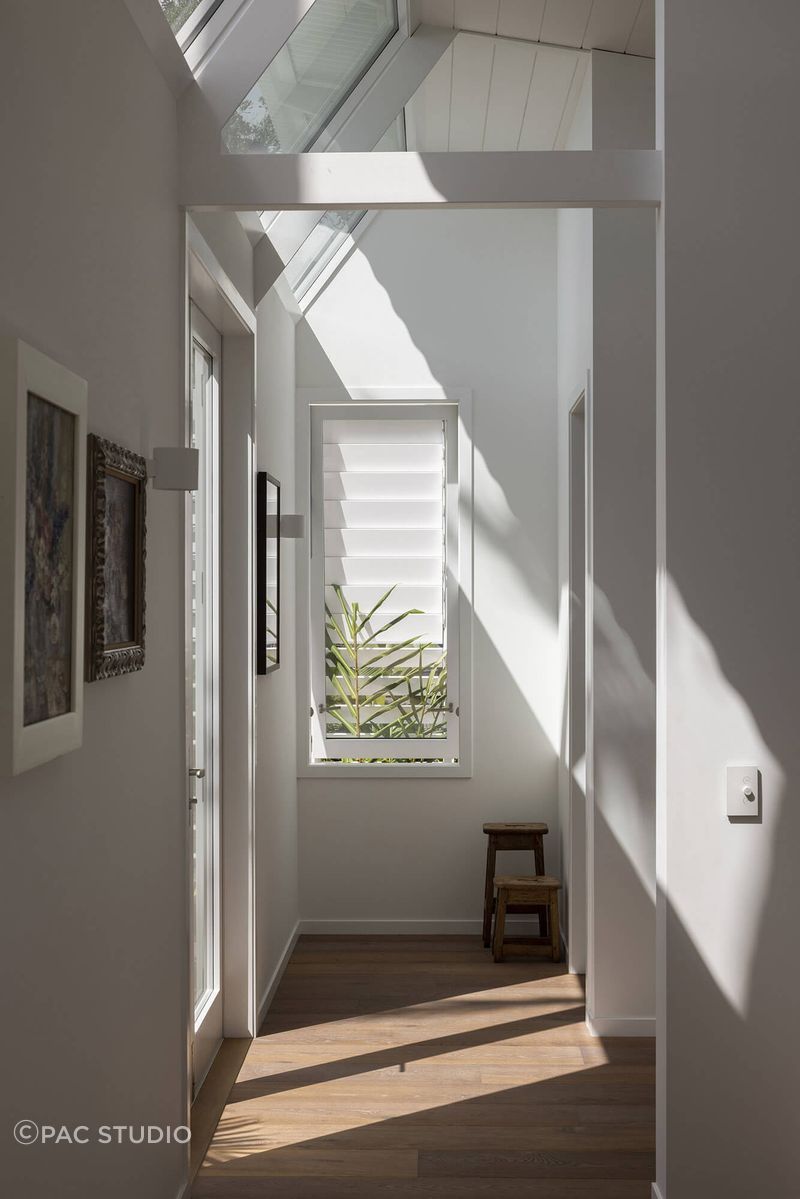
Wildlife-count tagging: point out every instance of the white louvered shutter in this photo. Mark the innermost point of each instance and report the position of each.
(383, 528)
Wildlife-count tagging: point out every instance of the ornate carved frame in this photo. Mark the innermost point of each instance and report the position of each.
(108, 661)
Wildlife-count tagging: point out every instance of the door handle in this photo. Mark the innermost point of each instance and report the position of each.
(195, 772)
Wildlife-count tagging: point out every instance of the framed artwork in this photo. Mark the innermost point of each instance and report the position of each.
(42, 539)
(268, 573)
(115, 581)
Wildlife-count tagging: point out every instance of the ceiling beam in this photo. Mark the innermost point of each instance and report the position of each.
(522, 179)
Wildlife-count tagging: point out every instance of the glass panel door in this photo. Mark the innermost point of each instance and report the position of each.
(203, 696)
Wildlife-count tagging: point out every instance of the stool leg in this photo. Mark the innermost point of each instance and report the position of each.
(555, 933)
(538, 857)
(500, 924)
(488, 892)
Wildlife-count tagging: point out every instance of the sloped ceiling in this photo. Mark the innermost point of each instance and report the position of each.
(623, 26)
(495, 93)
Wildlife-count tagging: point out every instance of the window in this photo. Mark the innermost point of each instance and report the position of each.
(320, 248)
(332, 231)
(311, 76)
(389, 548)
(187, 17)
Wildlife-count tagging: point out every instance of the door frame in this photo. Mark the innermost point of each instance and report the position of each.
(209, 288)
(578, 687)
(204, 333)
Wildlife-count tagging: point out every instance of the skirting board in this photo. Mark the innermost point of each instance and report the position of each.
(655, 1192)
(409, 928)
(277, 975)
(621, 1026)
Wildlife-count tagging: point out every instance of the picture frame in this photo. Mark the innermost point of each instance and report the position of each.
(268, 573)
(116, 555)
(43, 413)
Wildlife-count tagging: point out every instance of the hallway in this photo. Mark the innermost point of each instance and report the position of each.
(415, 1066)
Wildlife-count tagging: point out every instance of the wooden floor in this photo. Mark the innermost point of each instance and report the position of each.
(405, 1067)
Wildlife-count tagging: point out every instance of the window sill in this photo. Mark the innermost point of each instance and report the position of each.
(324, 770)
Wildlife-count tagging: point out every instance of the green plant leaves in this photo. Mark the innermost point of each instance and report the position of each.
(380, 689)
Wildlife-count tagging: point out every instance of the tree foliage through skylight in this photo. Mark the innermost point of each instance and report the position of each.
(178, 12)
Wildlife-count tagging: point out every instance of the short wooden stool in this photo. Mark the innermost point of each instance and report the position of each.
(510, 836)
(526, 889)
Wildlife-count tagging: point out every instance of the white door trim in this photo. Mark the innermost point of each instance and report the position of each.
(237, 662)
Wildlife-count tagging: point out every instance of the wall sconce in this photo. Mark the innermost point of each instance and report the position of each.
(293, 526)
(174, 468)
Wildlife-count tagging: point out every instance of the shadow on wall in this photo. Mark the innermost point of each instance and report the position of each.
(731, 1033)
(419, 340)
(515, 617)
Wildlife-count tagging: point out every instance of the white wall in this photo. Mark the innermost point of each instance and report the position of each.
(729, 519)
(606, 271)
(607, 325)
(460, 299)
(621, 985)
(276, 754)
(224, 233)
(575, 336)
(95, 945)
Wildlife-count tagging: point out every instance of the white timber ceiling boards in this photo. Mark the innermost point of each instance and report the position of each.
(493, 93)
(623, 26)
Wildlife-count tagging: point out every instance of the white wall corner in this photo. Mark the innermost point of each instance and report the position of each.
(621, 1026)
(287, 298)
(276, 976)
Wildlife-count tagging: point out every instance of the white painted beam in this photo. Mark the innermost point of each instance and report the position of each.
(532, 179)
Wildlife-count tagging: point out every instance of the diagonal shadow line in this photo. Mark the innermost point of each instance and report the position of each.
(341, 1003)
(588, 1128)
(403, 1054)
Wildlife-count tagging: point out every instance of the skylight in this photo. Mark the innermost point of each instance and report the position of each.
(311, 76)
(333, 230)
(187, 17)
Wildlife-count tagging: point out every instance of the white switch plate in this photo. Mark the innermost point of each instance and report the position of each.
(744, 791)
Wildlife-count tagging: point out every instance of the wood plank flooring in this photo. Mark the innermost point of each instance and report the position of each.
(417, 1068)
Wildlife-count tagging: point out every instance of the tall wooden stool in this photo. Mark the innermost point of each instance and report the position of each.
(511, 836)
(526, 889)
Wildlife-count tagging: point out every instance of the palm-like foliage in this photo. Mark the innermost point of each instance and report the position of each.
(378, 687)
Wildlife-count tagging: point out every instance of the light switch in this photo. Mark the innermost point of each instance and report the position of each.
(744, 791)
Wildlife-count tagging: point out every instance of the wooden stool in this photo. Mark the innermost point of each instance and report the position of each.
(510, 836)
(526, 889)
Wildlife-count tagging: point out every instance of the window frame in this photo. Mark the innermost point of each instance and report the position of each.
(195, 22)
(325, 137)
(315, 405)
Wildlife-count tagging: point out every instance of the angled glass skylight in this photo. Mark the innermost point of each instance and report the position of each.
(311, 76)
(187, 17)
(333, 230)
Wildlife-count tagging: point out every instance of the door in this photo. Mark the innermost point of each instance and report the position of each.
(202, 697)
